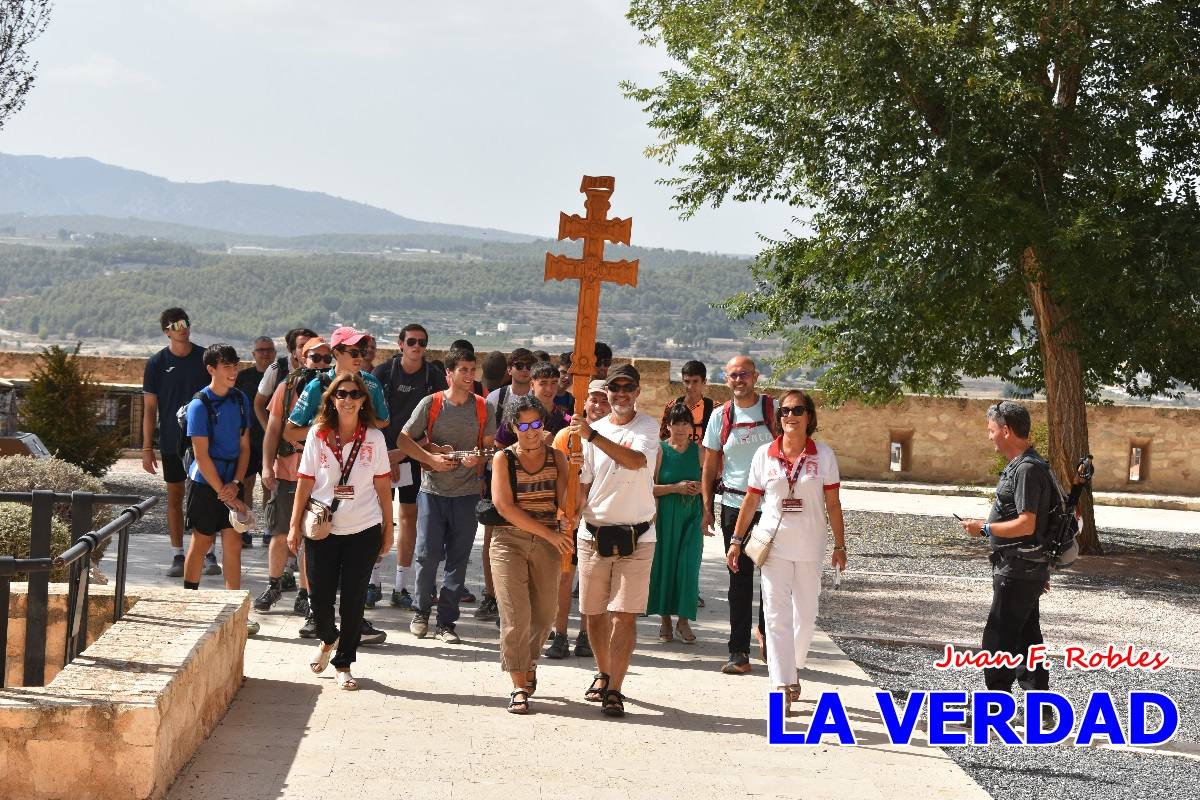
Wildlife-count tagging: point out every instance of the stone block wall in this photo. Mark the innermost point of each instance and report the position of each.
(100, 614)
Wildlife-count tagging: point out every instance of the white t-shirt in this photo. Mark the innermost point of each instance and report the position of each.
(621, 496)
(801, 536)
(320, 464)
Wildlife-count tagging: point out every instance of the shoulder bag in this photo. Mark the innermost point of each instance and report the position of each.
(757, 546)
(317, 522)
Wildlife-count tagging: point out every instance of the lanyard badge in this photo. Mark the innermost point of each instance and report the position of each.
(791, 503)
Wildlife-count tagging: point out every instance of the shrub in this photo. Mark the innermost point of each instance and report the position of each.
(15, 522)
(61, 408)
(25, 473)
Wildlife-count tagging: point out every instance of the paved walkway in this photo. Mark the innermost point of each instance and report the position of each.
(429, 719)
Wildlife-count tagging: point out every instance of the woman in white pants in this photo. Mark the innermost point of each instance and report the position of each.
(794, 481)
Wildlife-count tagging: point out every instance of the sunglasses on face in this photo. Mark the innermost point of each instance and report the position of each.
(348, 394)
(792, 411)
(178, 325)
(737, 375)
(622, 388)
(525, 426)
(353, 352)
(411, 342)
(321, 358)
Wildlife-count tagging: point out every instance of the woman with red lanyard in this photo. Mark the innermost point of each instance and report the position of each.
(345, 466)
(795, 482)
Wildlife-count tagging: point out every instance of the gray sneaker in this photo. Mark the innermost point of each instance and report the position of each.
(559, 648)
(419, 627)
(583, 648)
(211, 567)
(176, 568)
(446, 634)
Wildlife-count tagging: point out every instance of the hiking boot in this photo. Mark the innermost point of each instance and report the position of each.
(371, 634)
(301, 606)
(288, 582)
(559, 648)
(446, 635)
(738, 664)
(309, 629)
(176, 568)
(266, 540)
(247, 539)
(374, 595)
(419, 627)
(268, 598)
(488, 610)
(252, 628)
(583, 648)
(211, 567)
(402, 600)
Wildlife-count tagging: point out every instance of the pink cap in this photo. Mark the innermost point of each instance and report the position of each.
(347, 335)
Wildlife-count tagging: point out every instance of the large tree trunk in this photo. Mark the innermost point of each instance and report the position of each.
(1065, 408)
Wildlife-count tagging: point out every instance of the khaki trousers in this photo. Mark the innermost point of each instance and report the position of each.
(525, 570)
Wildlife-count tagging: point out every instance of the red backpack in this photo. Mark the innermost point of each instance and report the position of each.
(768, 418)
(435, 410)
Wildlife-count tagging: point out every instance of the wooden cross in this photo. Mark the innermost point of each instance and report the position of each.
(591, 270)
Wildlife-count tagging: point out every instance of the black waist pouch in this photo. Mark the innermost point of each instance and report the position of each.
(617, 540)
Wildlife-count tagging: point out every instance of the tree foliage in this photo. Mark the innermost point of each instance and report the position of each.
(61, 407)
(937, 144)
(21, 22)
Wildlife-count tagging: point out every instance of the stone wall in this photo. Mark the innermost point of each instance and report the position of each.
(123, 718)
(944, 439)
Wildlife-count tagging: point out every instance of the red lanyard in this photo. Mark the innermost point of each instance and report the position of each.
(792, 474)
(359, 436)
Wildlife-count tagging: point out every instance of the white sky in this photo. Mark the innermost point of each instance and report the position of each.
(470, 112)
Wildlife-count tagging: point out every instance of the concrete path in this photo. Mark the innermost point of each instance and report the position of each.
(429, 722)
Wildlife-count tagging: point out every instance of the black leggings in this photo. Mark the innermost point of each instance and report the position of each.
(341, 561)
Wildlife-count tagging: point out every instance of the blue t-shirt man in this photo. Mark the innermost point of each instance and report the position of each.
(225, 440)
(747, 435)
(310, 400)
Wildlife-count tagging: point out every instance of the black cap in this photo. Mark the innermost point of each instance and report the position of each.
(624, 371)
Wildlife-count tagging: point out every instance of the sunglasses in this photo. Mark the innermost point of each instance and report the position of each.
(353, 352)
(411, 342)
(792, 411)
(177, 325)
(348, 394)
(524, 426)
(622, 388)
(320, 358)
(738, 375)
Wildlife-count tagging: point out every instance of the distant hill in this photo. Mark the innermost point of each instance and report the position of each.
(41, 186)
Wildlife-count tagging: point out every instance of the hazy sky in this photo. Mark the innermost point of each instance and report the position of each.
(471, 112)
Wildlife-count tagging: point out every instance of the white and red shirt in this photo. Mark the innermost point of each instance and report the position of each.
(802, 534)
(319, 464)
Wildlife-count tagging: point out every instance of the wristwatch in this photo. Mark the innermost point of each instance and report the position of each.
(593, 434)
(985, 529)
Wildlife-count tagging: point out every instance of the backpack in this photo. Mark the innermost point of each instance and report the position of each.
(768, 417)
(435, 410)
(395, 371)
(301, 376)
(184, 448)
(1055, 545)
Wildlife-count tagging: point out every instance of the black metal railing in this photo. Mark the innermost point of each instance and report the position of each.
(38, 565)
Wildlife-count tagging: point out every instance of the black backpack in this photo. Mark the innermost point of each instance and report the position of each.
(301, 376)
(394, 373)
(1056, 544)
(184, 447)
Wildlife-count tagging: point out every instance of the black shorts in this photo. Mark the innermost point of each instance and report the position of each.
(407, 495)
(203, 512)
(172, 467)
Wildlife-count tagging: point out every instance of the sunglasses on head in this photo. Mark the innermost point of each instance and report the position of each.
(524, 426)
(177, 325)
(414, 342)
(351, 394)
(792, 411)
(627, 388)
(321, 358)
(353, 352)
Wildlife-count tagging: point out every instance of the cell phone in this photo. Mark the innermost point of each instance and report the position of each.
(956, 516)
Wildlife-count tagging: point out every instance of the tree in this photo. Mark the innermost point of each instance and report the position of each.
(1002, 188)
(21, 22)
(61, 407)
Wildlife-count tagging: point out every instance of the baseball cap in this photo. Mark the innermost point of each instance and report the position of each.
(347, 335)
(311, 344)
(241, 522)
(597, 386)
(624, 371)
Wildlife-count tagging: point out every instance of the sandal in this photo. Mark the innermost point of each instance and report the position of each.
(664, 633)
(518, 702)
(595, 692)
(346, 681)
(614, 704)
(531, 683)
(324, 653)
(685, 633)
(791, 694)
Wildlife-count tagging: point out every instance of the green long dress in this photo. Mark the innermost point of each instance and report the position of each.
(675, 577)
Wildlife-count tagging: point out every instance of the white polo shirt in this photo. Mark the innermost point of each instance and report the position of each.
(318, 463)
(802, 534)
(621, 496)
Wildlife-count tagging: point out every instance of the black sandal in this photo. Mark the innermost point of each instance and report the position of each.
(518, 706)
(595, 693)
(531, 683)
(614, 704)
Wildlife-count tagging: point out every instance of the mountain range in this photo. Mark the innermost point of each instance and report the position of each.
(40, 186)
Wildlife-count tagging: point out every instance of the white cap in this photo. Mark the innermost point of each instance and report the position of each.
(241, 522)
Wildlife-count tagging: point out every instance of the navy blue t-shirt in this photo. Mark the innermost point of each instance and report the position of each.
(174, 381)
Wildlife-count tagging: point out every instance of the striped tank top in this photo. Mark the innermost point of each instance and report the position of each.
(537, 492)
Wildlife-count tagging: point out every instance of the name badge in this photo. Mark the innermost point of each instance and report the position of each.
(345, 493)
(791, 504)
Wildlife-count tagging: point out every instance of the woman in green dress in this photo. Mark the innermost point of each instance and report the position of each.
(675, 578)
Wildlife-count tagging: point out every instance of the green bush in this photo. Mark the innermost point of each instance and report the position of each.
(15, 522)
(61, 408)
(25, 473)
